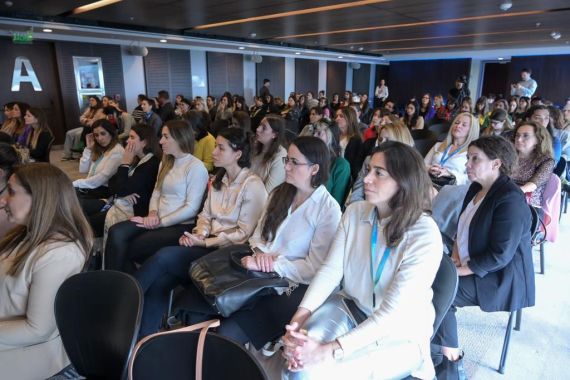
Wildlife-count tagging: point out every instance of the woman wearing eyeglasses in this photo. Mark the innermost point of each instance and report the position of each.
(535, 162)
(292, 239)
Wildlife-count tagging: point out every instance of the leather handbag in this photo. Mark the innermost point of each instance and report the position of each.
(439, 182)
(227, 286)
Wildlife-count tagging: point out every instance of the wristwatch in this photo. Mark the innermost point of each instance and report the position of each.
(338, 353)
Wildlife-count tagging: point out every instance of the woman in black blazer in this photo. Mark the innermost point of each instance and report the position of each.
(492, 250)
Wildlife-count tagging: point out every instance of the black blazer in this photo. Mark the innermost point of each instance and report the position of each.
(353, 154)
(500, 248)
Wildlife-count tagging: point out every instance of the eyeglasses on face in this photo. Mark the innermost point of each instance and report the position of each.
(294, 162)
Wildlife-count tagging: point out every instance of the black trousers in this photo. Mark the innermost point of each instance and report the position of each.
(446, 335)
(128, 244)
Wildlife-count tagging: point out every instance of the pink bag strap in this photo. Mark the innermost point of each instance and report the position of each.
(203, 327)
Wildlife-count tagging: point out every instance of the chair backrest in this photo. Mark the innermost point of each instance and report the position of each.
(444, 289)
(173, 356)
(560, 168)
(424, 140)
(98, 316)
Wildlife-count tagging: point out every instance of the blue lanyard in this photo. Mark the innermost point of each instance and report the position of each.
(373, 256)
(445, 157)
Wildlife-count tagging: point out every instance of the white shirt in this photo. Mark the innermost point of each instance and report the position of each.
(100, 171)
(303, 239)
(178, 200)
(404, 309)
(381, 92)
(230, 214)
(455, 163)
(463, 230)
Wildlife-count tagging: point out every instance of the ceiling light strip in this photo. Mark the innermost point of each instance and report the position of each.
(461, 45)
(413, 24)
(438, 37)
(326, 8)
(93, 6)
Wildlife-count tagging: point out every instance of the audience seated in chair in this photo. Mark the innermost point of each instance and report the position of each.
(492, 251)
(292, 239)
(175, 202)
(384, 312)
(50, 242)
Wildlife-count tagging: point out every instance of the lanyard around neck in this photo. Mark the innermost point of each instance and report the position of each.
(375, 275)
(445, 157)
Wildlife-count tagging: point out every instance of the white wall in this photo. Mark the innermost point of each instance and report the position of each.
(476, 78)
(322, 76)
(134, 77)
(249, 90)
(289, 77)
(349, 75)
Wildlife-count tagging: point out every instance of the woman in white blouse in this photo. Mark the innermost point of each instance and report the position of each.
(50, 243)
(174, 204)
(292, 239)
(448, 158)
(385, 255)
(100, 160)
(234, 204)
(268, 152)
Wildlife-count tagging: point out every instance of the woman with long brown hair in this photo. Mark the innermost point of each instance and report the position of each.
(50, 242)
(384, 257)
(39, 137)
(175, 202)
(268, 151)
(350, 141)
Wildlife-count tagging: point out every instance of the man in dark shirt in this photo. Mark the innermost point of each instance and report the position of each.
(165, 108)
(264, 90)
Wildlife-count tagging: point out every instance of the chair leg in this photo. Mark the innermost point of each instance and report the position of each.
(518, 320)
(506, 344)
(565, 202)
(542, 258)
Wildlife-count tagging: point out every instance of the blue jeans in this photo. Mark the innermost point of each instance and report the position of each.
(160, 274)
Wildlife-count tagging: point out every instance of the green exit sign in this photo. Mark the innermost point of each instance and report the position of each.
(26, 37)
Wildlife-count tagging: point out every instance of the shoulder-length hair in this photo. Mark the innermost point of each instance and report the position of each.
(33, 137)
(146, 133)
(98, 150)
(544, 145)
(238, 140)
(473, 132)
(398, 131)
(317, 153)
(406, 166)
(483, 111)
(351, 121)
(55, 215)
(410, 121)
(277, 124)
(182, 133)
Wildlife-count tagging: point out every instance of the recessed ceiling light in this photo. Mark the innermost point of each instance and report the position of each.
(241, 48)
(360, 48)
(46, 30)
(506, 5)
(163, 40)
(252, 35)
(538, 24)
(500, 58)
(8, 3)
(351, 47)
(340, 57)
(298, 53)
(555, 35)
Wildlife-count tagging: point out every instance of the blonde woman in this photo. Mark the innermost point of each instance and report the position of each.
(174, 203)
(50, 243)
(448, 158)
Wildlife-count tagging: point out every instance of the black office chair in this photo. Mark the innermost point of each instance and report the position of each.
(424, 140)
(172, 355)
(98, 316)
(444, 290)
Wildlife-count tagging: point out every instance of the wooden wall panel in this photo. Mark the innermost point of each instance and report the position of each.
(225, 73)
(168, 69)
(412, 78)
(336, 78)
(272, 68)
(306, 75)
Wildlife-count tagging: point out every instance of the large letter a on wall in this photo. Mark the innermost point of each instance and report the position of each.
(18, 77)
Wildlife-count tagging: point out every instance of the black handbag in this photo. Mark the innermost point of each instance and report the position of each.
(226, 285)
(439, 182)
